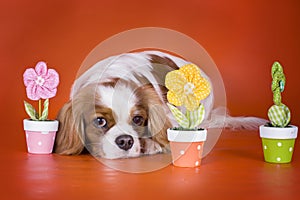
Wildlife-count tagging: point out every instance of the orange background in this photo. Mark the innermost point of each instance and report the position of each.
(243, 37)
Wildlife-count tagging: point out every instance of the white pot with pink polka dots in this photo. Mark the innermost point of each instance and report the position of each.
(40, 135)
(186, 146)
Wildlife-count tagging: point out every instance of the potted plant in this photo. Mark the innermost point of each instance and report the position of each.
(186, 89)
(278, 136)
(41, 84)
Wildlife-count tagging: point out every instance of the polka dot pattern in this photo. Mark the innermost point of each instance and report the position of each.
(40, 142)
(278, 159)
(197, 163)
(278, 150)
(279, 144)
(186, 154)
(173, 99)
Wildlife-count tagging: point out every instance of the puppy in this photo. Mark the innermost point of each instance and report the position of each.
(117, 108)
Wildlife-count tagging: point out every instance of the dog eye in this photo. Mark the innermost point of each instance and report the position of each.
(100, 122)
(138, 120)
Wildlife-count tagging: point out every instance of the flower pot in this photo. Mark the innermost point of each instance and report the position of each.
(278, 143)
(40, 135)
(186, 147)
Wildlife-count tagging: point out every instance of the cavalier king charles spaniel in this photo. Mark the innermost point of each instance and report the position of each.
(118, 108)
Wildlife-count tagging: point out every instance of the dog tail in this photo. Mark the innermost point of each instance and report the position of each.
(220, 118)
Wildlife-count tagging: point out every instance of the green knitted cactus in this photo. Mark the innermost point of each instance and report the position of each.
(279, 114)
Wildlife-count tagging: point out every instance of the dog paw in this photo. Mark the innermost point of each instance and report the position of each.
(150, 147)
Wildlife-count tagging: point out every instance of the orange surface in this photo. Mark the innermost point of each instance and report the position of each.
(243, 38)
(234, 170)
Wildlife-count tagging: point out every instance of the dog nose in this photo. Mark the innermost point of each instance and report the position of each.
(124, 142)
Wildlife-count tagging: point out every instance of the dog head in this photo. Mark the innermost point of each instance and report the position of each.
(111, 120)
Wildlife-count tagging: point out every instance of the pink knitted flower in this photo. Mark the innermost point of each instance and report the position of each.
(41, 83)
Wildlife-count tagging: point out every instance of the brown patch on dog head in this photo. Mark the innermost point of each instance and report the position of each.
(163, 61)
(111, 82)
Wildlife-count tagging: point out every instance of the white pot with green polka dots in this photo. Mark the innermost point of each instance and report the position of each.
(278, 143)
(40, 135)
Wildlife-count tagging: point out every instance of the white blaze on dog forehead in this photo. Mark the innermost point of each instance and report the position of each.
(120, 99)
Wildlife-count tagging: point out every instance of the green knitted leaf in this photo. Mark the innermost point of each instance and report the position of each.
(30, 111)
(179, 116)
(196, 117)
(279, 116)
(278, 82)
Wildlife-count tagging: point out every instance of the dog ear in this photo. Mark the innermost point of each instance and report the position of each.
(68, 141)
(158, 123)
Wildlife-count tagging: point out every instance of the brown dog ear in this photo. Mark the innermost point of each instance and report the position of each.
(68, 141)
(158, 123)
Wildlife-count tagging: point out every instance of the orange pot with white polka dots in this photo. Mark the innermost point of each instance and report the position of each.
(278, 143)
(186, 146)
(40, 135)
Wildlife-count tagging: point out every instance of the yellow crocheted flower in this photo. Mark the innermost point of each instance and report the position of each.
(187, 87)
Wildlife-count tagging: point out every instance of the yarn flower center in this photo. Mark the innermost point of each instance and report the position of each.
(40, 81)
(188, 88)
